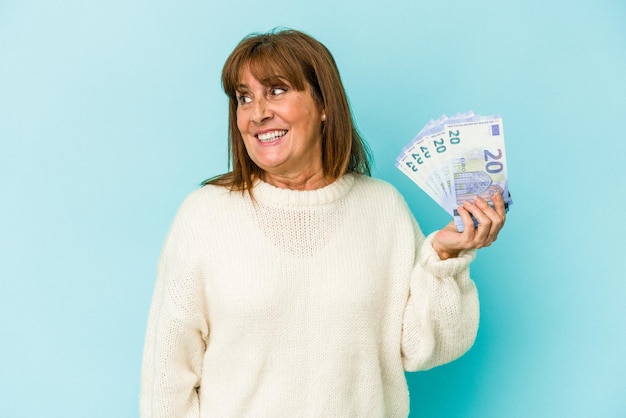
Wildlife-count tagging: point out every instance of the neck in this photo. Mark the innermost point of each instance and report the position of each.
(300, 181)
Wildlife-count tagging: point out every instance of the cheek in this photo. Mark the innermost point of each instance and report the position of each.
(241, 121)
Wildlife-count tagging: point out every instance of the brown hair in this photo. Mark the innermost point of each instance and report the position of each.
(297, 58)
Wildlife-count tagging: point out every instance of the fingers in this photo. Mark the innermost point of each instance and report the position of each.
(490, 221)
(481, 232)
(498, 202)
(469, 230)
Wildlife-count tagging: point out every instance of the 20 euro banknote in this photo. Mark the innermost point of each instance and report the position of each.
(458, 158)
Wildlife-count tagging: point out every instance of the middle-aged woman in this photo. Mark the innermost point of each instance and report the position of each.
(296, 284)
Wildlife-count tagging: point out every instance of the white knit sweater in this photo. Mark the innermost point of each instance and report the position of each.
(303, 304)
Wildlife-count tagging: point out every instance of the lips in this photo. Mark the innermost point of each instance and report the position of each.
(271, 136)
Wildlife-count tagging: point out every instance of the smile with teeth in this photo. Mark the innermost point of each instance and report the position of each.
(271, 136)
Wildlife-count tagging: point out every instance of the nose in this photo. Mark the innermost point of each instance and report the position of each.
(261, 111)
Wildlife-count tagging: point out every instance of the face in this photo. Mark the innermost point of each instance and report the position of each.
(281, 128)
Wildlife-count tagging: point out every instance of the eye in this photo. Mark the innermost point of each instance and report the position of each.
(277, 91)
(242, 99)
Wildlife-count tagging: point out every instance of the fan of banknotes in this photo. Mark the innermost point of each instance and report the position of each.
(458, 158)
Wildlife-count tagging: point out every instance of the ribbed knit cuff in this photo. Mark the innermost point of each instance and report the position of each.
(451, 267)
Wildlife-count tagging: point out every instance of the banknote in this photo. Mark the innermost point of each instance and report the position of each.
(419, 162)
(458, 158)
(479, 166)
(424, 161)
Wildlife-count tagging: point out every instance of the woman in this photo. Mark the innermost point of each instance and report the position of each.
(297, 285)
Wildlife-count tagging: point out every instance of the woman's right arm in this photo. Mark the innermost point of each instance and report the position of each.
(177, 330)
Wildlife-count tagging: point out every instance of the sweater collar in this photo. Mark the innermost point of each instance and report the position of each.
(274, 196)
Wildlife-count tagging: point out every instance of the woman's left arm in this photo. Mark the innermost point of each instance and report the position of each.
(442, 312)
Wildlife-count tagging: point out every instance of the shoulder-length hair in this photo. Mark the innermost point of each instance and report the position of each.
(301, 60)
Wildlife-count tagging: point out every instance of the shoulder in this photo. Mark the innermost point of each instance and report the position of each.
(204, 193)
(201, 214)
(379, 190)
(205, 203)
(387, 212)
(382, 198)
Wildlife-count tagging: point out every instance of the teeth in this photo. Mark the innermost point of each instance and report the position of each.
(271, 136)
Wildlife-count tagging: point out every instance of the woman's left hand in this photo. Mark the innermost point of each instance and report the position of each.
(449, 242)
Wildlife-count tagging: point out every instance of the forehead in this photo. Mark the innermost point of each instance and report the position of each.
(269, 72)
(247, 79)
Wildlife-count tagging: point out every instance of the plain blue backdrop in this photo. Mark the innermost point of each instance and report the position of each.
(111, 112)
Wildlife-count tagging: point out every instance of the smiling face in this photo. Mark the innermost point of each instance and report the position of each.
(281, 128)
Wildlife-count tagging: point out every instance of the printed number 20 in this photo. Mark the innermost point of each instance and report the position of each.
(493, 167)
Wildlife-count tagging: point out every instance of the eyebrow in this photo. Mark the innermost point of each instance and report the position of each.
(276, 80)
(272, 81)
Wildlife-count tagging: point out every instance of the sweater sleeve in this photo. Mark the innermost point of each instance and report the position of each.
(177, 330)
(442, 312)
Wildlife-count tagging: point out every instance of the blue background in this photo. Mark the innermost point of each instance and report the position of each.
(111, 112)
